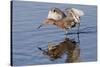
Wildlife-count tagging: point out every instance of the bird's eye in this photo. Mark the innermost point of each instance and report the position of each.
(54, 10)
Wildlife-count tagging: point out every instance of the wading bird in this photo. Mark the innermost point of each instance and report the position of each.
(61, 20)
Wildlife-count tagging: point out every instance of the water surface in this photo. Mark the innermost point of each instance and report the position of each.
(27, 16)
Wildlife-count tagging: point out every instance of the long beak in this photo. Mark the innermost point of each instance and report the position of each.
(40, 49)
(44, 52)
(40, 26)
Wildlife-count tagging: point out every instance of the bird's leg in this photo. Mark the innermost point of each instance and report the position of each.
(78, 30)
(66, 31)
(78, 39)
(78, 33)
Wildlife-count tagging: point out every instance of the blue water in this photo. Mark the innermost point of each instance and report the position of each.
(27, 16)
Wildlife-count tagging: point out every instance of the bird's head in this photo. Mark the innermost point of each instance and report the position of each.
(56, 14)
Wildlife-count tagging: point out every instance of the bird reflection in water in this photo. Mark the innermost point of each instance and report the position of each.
(68, 46)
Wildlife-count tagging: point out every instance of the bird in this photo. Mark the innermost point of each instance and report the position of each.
(64, 21)
(73, 18)
(54, 14)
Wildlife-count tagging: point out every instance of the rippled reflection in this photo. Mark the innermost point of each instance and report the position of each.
(67, 46)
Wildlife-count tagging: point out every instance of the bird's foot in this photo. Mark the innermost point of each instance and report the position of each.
(66, 33)
(78, 33)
